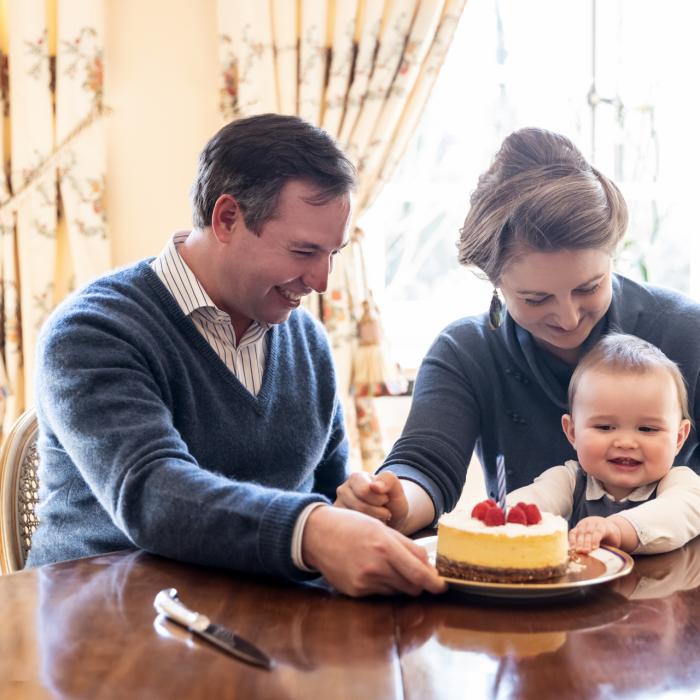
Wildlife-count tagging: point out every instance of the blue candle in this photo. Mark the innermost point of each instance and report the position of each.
(501, 478)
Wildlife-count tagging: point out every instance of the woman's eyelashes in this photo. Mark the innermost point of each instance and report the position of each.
(584, 292)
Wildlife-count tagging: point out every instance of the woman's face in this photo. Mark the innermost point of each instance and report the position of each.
(559, 296)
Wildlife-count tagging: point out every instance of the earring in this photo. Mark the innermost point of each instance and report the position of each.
(495, 311)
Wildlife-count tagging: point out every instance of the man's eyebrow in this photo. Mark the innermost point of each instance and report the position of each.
(543, 294)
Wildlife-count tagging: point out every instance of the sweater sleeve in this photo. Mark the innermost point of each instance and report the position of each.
(332, 471)
(442, 427)
(672, 518)
(99, 400)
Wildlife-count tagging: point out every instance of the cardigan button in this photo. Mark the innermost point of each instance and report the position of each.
(517, 375)
(516, 417)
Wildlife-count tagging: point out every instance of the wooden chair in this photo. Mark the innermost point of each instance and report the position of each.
(19, 492)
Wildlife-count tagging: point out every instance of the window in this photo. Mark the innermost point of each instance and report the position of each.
(614, 76)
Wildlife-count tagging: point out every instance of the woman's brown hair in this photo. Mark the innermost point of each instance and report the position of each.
(539, 194)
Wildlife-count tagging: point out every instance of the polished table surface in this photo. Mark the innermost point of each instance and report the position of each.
(87, 629)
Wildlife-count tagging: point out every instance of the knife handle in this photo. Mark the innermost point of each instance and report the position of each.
(168, 604)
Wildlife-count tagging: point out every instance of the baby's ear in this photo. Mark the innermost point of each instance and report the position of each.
(683, 430)
(567, 425)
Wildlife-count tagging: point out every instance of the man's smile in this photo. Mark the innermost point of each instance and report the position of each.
(289, 295)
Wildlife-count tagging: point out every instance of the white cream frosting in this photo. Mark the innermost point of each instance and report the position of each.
(462, 520)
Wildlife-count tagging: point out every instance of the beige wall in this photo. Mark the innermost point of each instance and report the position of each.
(162, 82)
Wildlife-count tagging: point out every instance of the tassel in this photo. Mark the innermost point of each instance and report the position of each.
(495, 311)
(373, 374)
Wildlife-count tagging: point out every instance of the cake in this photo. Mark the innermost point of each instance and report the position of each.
(487, 545)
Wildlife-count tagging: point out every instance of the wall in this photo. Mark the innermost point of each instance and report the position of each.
(161, 81)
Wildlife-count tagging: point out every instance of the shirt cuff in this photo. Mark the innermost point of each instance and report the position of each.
(643, 535)
(298, 535)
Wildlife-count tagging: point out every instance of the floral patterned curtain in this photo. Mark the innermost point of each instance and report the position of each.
(361, 69)
(52, 221)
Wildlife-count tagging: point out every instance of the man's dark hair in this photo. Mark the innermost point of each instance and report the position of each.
(252, 159)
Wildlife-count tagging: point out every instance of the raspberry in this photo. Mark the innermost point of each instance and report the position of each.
(533, 514)
(494, 516)
(479, 510)
(517, 515)
(521, 505)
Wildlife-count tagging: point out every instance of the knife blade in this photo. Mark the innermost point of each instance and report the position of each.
(167, 603)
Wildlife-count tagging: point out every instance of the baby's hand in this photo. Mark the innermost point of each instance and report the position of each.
(378, 495)
(593, 531)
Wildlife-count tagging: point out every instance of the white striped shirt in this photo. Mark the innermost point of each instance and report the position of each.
(246, 358)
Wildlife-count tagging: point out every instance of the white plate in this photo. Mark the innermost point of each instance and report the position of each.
(601, 565)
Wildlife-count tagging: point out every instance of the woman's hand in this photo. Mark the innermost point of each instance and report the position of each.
(378, 495)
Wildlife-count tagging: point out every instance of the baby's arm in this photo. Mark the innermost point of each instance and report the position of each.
(672, 518)
(593, 531)
(552, 490)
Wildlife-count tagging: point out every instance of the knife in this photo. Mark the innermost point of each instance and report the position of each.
(167, 603)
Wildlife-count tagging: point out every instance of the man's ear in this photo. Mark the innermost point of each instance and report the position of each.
(683, 430)
(225, 217)
(567, 424)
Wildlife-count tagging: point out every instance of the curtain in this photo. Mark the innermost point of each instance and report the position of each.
(52, 219)
(363, 70)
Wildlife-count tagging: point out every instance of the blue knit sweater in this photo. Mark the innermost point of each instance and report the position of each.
(498, 392)
(148, 440)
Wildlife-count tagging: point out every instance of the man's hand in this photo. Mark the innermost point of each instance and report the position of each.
(361, 556)
(380, 496)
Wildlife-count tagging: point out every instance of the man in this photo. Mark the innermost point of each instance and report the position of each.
(188, 407)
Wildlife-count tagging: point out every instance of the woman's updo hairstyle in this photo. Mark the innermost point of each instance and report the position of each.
(540, 194)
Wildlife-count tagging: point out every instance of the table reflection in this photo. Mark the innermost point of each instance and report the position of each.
(314, 636)
(663, 574)
(94, 634)
(634, 635)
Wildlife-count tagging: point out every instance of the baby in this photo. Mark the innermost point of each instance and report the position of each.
(628, 421)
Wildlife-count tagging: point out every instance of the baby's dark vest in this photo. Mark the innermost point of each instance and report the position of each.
(602, 507)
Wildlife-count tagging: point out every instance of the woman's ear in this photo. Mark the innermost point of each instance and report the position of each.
(567, 424)
(683, 430)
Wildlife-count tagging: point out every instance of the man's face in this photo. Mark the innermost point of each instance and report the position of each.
(626, 427)
(263, 277)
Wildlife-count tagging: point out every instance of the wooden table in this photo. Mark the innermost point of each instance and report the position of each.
(85, 629)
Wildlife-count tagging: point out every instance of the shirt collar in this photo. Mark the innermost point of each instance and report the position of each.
(595, 491)
(196, 297)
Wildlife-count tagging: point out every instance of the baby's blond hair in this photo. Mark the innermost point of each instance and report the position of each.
(628, 353)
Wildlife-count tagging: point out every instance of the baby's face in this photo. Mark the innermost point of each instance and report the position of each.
(626, 427)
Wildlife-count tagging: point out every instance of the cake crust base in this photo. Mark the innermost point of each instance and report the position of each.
(452, 569)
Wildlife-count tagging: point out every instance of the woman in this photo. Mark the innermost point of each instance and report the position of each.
(543, 227)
